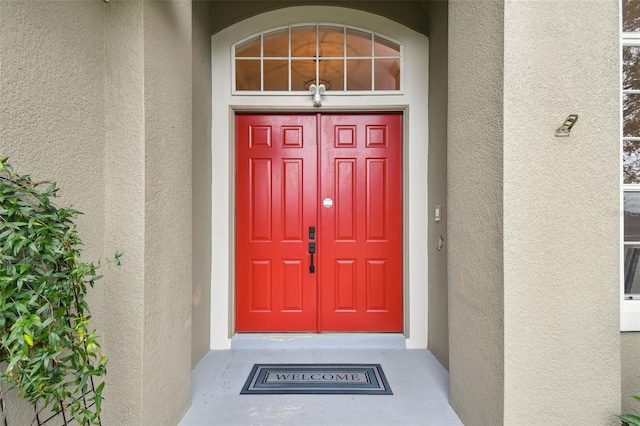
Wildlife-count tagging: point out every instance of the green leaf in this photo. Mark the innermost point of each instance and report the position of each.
(12, 364)
(630, 419)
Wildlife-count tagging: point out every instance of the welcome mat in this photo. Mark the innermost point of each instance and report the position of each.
(367, 379)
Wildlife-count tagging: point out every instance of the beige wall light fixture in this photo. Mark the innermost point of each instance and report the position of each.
(563, 131)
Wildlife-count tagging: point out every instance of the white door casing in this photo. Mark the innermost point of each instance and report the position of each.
(412, 102)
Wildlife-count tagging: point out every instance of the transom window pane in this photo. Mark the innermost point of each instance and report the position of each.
(358, 43)
(387, 72)
(276, 44)
(386, 48)
(247, 75)
(302, 71)
(332, 73)
(359, 74)
(331, 42)
(248, 49)
(303, 41)
(292, 59)
(276, 75)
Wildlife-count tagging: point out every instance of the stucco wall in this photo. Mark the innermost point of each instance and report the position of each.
(125, 212)
(475, 211)
(51, 98)
(201, 175)
(168, 284)
(97, 96)
(438, 335)
(630, 355)
(51, 91)
(554, 200)
(561, 252)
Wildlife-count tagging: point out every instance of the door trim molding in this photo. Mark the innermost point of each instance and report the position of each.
(412, 103)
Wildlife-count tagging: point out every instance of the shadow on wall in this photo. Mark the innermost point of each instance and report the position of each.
(412, 13)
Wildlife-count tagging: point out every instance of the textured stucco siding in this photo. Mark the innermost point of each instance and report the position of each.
(97, 96)
(630, 356)
(201, 175)
(561, 195)
(474, 159)
(51, 91)
(104, 98)
(125, 209)
(438, 335)
(168, 286)
(51, 117)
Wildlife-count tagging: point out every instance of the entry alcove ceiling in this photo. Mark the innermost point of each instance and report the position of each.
(411, 13)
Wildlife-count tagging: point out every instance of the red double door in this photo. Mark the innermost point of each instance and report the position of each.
(318, 222)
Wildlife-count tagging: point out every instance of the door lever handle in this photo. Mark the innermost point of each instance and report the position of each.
(312, 250)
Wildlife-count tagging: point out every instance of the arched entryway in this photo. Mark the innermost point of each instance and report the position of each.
(411, 103)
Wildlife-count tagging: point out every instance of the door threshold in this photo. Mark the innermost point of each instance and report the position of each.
(318, 341)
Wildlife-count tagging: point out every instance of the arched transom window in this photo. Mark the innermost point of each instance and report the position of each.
(291, 59)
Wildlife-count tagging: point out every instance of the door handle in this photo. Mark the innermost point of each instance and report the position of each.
(312, 250)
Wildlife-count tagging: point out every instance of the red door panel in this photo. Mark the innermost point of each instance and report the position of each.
(284, 175)
(360, 235)
(276, 193)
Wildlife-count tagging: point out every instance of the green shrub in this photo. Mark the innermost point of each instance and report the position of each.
(51, 355)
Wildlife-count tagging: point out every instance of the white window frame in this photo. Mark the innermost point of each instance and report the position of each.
(373, 34)
(629, 309)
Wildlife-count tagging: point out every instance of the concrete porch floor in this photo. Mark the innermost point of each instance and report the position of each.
(419, 384)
